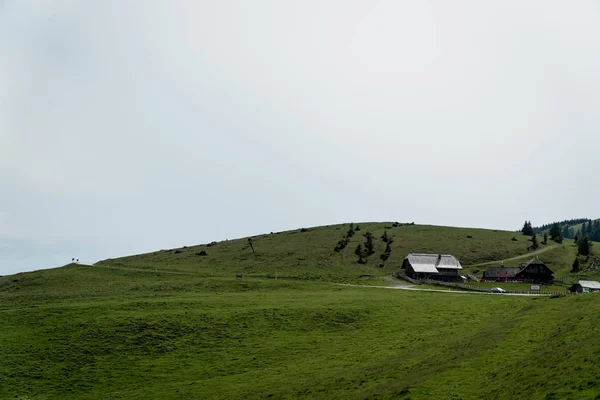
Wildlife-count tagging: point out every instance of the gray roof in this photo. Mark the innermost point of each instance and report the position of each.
(533, 261)
(590, 284)
(428, 268)
(430, 263)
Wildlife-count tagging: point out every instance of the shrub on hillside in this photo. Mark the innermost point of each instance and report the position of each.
(202, 253)
(341, 245)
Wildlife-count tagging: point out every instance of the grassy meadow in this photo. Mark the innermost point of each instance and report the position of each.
(176, 325)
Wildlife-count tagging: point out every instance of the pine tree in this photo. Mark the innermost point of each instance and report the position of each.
(584, 246)
(384, 237)
(360, 253)
(555, 231)
(575, 267)
(545, 241)
(527, 229)
(350, 232)
(534, 242)
(369, 243)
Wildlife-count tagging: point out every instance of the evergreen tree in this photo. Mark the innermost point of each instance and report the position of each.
(555, 231)
(527, 228)
(575, 267)
(545, 241)
(560, 238)
(566, 232)
(534, 242)
(369, 243)
(385, 236)
(360, 253)
(350, 232)
(584, 246)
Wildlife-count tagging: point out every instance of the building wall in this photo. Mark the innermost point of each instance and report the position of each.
(448, 272)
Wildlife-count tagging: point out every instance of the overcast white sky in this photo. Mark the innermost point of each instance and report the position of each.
(131, 126)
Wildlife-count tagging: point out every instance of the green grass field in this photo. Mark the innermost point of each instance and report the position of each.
(170, 325)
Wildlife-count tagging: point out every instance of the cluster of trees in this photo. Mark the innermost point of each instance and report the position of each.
(527, 229)
(341, 245)
(591, 230)
(584, 248)
(555, 232)
(366, 249)
(567, 222)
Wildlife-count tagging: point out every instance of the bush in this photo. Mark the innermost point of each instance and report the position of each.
(202, 253)
(341, 245)
(304, 230)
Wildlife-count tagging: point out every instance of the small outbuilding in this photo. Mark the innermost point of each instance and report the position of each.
(585, 287)
(440, 267)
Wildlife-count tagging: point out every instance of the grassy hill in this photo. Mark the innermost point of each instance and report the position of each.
(309, 253)
(175, 324)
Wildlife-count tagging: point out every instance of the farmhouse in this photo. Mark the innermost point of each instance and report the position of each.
(534, 270)
(585, 287)
(441, 267)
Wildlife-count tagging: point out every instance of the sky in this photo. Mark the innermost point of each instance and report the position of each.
(130, 126)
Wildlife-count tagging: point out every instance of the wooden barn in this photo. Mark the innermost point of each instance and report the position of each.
(532, 271)
(441, 267)
(535, 270)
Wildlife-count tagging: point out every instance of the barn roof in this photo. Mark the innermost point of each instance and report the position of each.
(533, 261)
(432, 262)
(427, 268)
(590, 284)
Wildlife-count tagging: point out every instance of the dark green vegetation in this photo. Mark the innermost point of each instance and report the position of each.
(569, 229)
(179, 324)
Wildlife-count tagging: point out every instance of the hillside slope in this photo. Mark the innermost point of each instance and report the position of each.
(309, 253)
